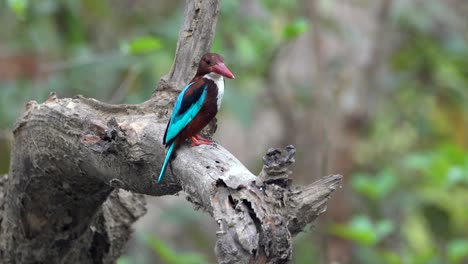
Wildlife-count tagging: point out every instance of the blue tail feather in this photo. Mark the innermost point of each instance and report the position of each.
(166, 161)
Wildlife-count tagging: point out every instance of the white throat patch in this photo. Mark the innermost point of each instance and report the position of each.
(219, 81)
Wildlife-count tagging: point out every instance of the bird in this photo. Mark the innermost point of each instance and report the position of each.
(196, 105)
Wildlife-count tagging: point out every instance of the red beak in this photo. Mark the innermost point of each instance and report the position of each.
(221, 69)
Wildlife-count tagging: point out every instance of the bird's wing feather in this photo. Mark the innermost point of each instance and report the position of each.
(191, 95)
(187, 106)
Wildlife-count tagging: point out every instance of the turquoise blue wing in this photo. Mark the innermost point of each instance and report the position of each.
(187, 106)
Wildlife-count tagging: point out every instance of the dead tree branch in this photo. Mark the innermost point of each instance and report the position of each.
(79, 167)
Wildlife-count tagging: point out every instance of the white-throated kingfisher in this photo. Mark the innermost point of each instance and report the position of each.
(196, 106)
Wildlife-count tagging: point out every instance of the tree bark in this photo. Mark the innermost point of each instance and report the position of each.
(79, 166)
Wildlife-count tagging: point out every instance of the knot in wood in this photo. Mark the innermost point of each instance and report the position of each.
(116, 183)
(112, 130)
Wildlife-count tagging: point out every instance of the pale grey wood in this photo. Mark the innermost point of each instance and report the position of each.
(195, 37)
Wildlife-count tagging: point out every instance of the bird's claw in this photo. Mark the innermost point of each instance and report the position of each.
(198, 140)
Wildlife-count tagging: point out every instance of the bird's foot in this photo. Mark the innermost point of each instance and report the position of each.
(202, 139)
(198, 140)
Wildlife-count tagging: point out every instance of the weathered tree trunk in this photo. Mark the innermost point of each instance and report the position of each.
(79, 166)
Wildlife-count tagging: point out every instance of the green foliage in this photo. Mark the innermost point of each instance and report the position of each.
(374, 187)
(363, 231)
(249, 43)
(457, 250)
(124, 260)
(432, 203)
(19, 7)
(417, 153)
(169, 255)
(141, 45)
(296, 28)
(446, 166)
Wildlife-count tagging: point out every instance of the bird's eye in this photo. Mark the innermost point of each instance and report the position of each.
(208, 62)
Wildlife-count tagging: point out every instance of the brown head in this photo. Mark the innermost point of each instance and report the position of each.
(212, 62)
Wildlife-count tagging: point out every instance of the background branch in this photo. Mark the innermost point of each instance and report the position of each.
(195, 37)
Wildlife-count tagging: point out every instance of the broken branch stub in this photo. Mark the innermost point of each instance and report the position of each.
(257, 220)
(276, 165)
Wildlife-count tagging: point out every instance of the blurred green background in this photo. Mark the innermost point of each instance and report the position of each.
(374, 90)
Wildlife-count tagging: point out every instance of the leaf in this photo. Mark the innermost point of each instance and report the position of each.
(363, 231)
(359, 230)
(445, 166)
(374, 187)
(296, 28)
(417, 161)
(457, 250)
(19, 7)
(142, 45)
